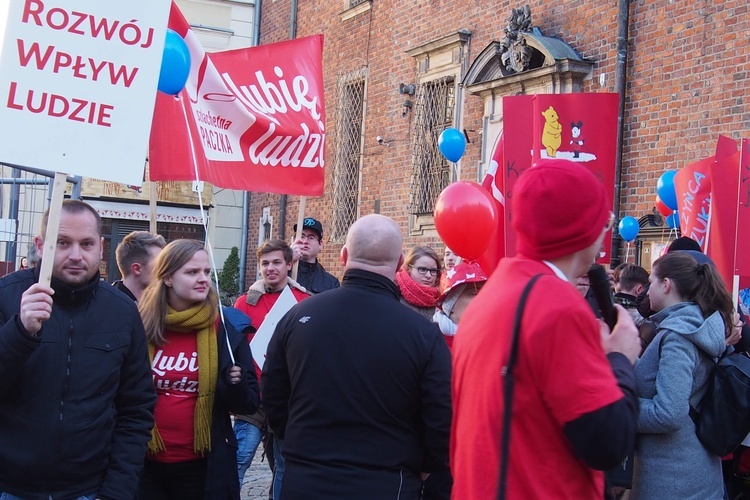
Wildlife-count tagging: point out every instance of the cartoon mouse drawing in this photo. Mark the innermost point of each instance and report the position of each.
(552, 132)
(576, 144)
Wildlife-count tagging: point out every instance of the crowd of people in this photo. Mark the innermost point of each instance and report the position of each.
(417, 376)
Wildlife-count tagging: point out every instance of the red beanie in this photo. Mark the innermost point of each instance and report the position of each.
(559, 208)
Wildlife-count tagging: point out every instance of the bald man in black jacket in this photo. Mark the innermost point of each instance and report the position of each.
(358, 385)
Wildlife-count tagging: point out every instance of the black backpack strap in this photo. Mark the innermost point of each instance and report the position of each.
(508, 381)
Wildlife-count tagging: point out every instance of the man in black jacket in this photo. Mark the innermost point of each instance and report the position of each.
(357, 384)
(310, 273)
(136, 255)
(76, 396)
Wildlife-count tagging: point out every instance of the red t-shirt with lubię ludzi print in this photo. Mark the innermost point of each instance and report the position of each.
(175, 373)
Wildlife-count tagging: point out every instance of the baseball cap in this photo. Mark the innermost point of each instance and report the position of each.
(312, 225)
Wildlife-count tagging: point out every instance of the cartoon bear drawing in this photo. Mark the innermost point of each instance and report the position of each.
(576, 143)
(552, 133)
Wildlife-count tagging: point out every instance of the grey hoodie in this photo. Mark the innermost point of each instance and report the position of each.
(670, 462)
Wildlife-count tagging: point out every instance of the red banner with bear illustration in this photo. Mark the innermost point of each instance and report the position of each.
(251, 119)
(578, 127)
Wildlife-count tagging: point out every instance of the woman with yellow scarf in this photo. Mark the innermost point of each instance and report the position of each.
(193, 452)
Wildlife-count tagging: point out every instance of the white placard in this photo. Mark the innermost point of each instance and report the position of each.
(78, 84)
(259, 344)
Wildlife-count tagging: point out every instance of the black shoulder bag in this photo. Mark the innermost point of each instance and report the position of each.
(507, 374)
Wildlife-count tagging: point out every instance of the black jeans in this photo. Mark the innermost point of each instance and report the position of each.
(176, 481)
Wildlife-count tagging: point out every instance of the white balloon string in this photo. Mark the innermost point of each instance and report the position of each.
(209, 248)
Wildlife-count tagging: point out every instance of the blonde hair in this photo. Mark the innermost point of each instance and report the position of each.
(423, 251)
(153, 305)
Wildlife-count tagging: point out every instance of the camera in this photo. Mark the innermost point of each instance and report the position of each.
(380, 140)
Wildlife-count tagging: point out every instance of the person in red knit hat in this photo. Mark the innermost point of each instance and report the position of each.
(574, 393)
(464, 282)
(419, 279)
(192, 454)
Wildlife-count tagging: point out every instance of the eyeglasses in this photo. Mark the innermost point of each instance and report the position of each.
(424, 270)
(610, 222)
(309, 237)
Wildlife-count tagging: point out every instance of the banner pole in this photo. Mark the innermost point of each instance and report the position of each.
(300, 220)
(736, 291)
(152, 207)
(53, 225)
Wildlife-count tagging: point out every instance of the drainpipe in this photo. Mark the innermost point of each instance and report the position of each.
(620, 81)
(284, 200)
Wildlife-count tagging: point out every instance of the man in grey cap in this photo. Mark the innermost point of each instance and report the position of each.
(311, 273)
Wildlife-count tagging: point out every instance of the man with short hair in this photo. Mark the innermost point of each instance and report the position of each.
(76, 394)
(275, 262)
(633, 280)
(136, 255)
(574, 392)
(311, 273)
(357, 384)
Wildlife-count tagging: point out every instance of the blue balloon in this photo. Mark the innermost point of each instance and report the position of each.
(628, 228)
(452, 144)
(665, 189)
(673, 221)
(175, 64)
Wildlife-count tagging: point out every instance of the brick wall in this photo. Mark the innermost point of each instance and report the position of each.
(688, 67)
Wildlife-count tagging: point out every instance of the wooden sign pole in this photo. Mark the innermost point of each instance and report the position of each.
(300, 220)
(152, 207)
(53, 226)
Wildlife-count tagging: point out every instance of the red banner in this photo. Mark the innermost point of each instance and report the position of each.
(578, 127)
(742, 262)
(725, 196)
(693, 188)
(249, 119)
(493, 182)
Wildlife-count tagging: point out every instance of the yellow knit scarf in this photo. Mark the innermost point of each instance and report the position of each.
(199, 319)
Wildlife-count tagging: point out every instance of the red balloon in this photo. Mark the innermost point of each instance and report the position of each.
(466, 218)
(662, 207)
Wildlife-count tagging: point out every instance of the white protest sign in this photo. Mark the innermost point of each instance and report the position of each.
(78, 84)
(259, 344)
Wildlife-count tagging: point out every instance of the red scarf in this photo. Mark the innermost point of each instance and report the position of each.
(414, 293)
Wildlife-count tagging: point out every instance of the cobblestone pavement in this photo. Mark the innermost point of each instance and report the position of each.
(257, 479)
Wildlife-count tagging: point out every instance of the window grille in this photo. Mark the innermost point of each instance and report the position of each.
(354, 3)
(348, 142)
(435, 104)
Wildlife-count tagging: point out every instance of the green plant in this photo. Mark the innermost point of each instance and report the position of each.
(229, 277)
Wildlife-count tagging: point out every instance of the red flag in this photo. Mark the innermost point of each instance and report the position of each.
(742, 262)
(725, 186)
(493, 182)
(249, 119)
(578, 127)
(693, 188)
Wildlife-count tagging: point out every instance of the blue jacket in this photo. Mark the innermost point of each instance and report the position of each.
(76, 401)
(670, 462)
